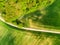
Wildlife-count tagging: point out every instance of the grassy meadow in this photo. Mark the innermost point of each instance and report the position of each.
(13, 36)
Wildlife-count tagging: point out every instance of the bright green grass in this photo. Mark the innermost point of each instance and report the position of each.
(13, 36)
(13, 9)
(50, 15)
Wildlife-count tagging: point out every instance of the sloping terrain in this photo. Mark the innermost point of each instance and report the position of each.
(13, 10)
(49, 18)
(12, 36)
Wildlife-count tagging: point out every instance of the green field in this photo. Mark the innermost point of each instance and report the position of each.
(44, 14)
(13, 36)
(40, 14)
(21, 12)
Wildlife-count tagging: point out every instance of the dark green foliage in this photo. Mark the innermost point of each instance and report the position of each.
(53, 15)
